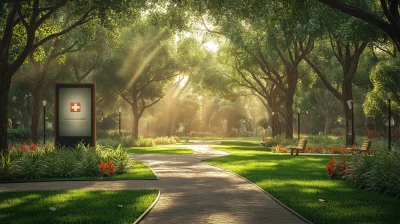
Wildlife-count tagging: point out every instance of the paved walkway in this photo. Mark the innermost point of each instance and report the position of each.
(191, 191)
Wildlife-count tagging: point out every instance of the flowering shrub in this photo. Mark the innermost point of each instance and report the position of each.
(384, 133)
(337, 168)
(106, 168)
(23, 147)
(280, 148)
(315, 149)
(338, 150)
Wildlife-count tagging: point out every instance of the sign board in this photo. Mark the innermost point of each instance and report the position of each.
(75, 114)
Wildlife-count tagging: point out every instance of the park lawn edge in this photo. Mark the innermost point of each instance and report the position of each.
(132, 205)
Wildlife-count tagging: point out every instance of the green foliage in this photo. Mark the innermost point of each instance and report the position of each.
(104, 134)
(50, 162)
(18, 134)
(171, 150)
(144, 142)
(166, 140)
(118, 156)
(378, 173)
(384, 78)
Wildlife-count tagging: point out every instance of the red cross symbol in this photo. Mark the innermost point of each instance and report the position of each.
(75, 107)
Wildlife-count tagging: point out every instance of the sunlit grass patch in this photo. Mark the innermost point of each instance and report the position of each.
(159, 150)
(300, 181)
(74, 206)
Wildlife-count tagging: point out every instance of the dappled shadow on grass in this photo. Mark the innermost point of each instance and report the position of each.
(300, 181)
(74, 206)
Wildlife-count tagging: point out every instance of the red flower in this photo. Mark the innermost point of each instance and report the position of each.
(23, 148)
(106, 168)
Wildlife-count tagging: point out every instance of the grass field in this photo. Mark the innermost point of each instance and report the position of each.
(160, 150)
(74, 206)
(299, 181)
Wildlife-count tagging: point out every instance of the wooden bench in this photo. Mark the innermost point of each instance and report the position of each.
(366, 145)
(302, 146)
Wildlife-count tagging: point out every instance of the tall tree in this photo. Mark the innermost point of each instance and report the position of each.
(387, 19)
(144, 63)
(347, 38)
(19, 31)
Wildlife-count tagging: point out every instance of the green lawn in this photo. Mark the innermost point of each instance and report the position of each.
(208, 138)
(159, 150)
(74, 206)
(299, 181)
(139, 172)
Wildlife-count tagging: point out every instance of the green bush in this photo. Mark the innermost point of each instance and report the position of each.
(167, 140)
(378, 173)
(35, 162)
(18, 134)
(139, 142)
(144, 142)
(101, 134)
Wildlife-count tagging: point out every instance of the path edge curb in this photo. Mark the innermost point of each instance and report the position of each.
(148, 209)
(265, 192)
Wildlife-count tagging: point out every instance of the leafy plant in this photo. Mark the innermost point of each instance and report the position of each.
(378, 173)
(34, 161)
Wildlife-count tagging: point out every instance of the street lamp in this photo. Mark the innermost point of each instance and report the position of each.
(390, 95)
(273, 124)
(350, 103)
(298, 122)
(44, 121)
(119, 121)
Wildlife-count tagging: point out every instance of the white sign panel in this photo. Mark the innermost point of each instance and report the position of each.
(75, 112)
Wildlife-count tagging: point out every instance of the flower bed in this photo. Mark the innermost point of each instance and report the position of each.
(34, 162)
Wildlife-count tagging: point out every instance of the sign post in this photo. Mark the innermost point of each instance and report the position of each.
(75, 113)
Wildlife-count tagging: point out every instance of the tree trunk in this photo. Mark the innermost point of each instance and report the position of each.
(135, 126)
(36, 115)
(348, 95)
(289, 111)
(348, 133)
(327, 127)
(5, 83)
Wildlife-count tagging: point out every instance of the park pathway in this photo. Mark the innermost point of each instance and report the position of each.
(191, 191)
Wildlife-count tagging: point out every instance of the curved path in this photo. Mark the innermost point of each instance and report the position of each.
(191, 191)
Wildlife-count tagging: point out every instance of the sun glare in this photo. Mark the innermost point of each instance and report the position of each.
(211, 46)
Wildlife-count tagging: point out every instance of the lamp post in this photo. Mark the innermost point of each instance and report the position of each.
(273, 124)
(119, 121)
(298, 123)
(390, 95)
(44, 121)
(350, 103)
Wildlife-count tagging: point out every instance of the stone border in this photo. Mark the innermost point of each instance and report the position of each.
(148, 209)
(275, 199)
